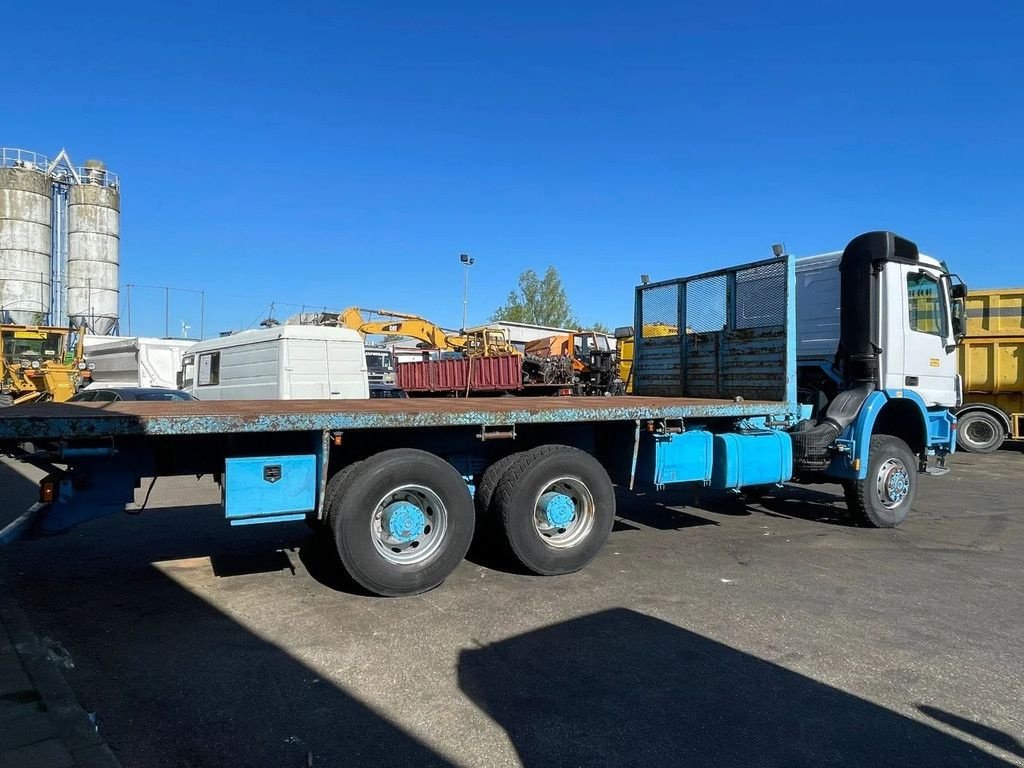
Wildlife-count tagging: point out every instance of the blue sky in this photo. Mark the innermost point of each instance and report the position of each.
(340, 153)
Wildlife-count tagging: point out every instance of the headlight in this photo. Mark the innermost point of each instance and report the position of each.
(81, 366)
(35, 364)
(92, 366)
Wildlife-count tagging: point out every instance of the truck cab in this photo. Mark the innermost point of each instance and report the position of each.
(380, 365)
(914, 319)
(877, 332)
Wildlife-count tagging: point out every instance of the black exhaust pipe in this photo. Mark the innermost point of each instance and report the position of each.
(857, 355)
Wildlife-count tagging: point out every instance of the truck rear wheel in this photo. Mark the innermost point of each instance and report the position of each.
(884, 497)
(979, 432)
(402, 523)
(488, 483)
(557, 507)
(489, 538)
(6, 401)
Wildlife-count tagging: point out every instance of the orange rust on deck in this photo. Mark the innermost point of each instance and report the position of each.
(447, 405)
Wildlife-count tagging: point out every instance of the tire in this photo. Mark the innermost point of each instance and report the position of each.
(979, 432)
(489, 539)
(6, 401)
(334, 485)
(578, 486)
(488, 483)
(430, 510)
(885, 496)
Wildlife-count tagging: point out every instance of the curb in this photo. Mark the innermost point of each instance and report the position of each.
(71, 723)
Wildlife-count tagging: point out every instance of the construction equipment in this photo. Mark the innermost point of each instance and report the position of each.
(38, 364)
(489, 342)
(583, 360)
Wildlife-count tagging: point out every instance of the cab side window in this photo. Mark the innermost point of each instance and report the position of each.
(924, 299)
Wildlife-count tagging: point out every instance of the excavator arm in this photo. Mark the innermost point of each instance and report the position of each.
(484, 343)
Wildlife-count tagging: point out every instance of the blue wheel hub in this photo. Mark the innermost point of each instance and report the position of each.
(403, 521)
(898, 486)
(558, 509)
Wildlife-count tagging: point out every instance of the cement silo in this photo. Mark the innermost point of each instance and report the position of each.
(94, 206)
(26, 237)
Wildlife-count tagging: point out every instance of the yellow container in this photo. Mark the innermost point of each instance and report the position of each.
(992, 369)
(991, 357)
(995, 313)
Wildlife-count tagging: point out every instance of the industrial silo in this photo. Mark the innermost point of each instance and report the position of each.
(94, 207)
(26, 243)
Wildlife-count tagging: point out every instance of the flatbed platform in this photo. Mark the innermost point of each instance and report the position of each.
(87, 420)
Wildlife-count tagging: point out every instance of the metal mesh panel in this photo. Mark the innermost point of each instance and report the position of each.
(735, 339)
(761, 296)
(660, 310)
(706, 306)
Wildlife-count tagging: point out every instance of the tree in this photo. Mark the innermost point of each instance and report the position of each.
(538, 301)
(600, 328)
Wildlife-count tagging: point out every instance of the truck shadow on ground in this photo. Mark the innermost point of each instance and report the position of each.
(622, 688)
(666, 510)
(175, 680)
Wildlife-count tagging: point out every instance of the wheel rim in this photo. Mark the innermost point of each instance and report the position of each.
(979, 432)
(408, 524)
(892, 483)
(564, 512)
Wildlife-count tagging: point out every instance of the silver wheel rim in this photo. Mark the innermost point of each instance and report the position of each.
(892, 483)
(408, 524)
(552, 526)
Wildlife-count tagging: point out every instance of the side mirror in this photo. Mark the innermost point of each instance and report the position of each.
(959, 315)
(179, 379)
(958, 291)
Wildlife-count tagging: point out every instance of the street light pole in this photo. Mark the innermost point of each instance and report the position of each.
(467, 262)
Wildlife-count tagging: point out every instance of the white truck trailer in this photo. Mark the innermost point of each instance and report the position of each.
(135, 361)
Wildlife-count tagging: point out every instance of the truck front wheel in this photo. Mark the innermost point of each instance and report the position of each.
(884, 498)
(557, 507)
(979, 432)
(402, 522)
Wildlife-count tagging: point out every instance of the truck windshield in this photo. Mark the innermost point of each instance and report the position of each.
(32, 345)
(379, 361)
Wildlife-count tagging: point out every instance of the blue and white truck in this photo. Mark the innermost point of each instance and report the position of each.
(780, 371)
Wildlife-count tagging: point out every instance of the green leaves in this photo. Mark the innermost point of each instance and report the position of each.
(538, 301)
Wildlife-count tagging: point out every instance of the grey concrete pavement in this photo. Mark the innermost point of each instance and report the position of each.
(705, 634)
(41, 723)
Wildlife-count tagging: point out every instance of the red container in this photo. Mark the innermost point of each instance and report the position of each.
(465, 376)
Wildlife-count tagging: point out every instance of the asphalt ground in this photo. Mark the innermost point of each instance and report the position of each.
(706, 633)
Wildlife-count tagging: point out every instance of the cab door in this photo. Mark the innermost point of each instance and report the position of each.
(929, 350)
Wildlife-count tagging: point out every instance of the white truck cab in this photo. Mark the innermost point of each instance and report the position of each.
(911, 323)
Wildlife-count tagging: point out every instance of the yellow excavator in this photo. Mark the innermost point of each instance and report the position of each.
(489, 342)
(38, 364)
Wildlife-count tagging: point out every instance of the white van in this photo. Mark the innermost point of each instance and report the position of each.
(288, 362)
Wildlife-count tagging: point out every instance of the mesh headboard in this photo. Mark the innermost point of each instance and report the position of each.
(722, 334)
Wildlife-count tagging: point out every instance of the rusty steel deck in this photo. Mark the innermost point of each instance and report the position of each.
(84, 420)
